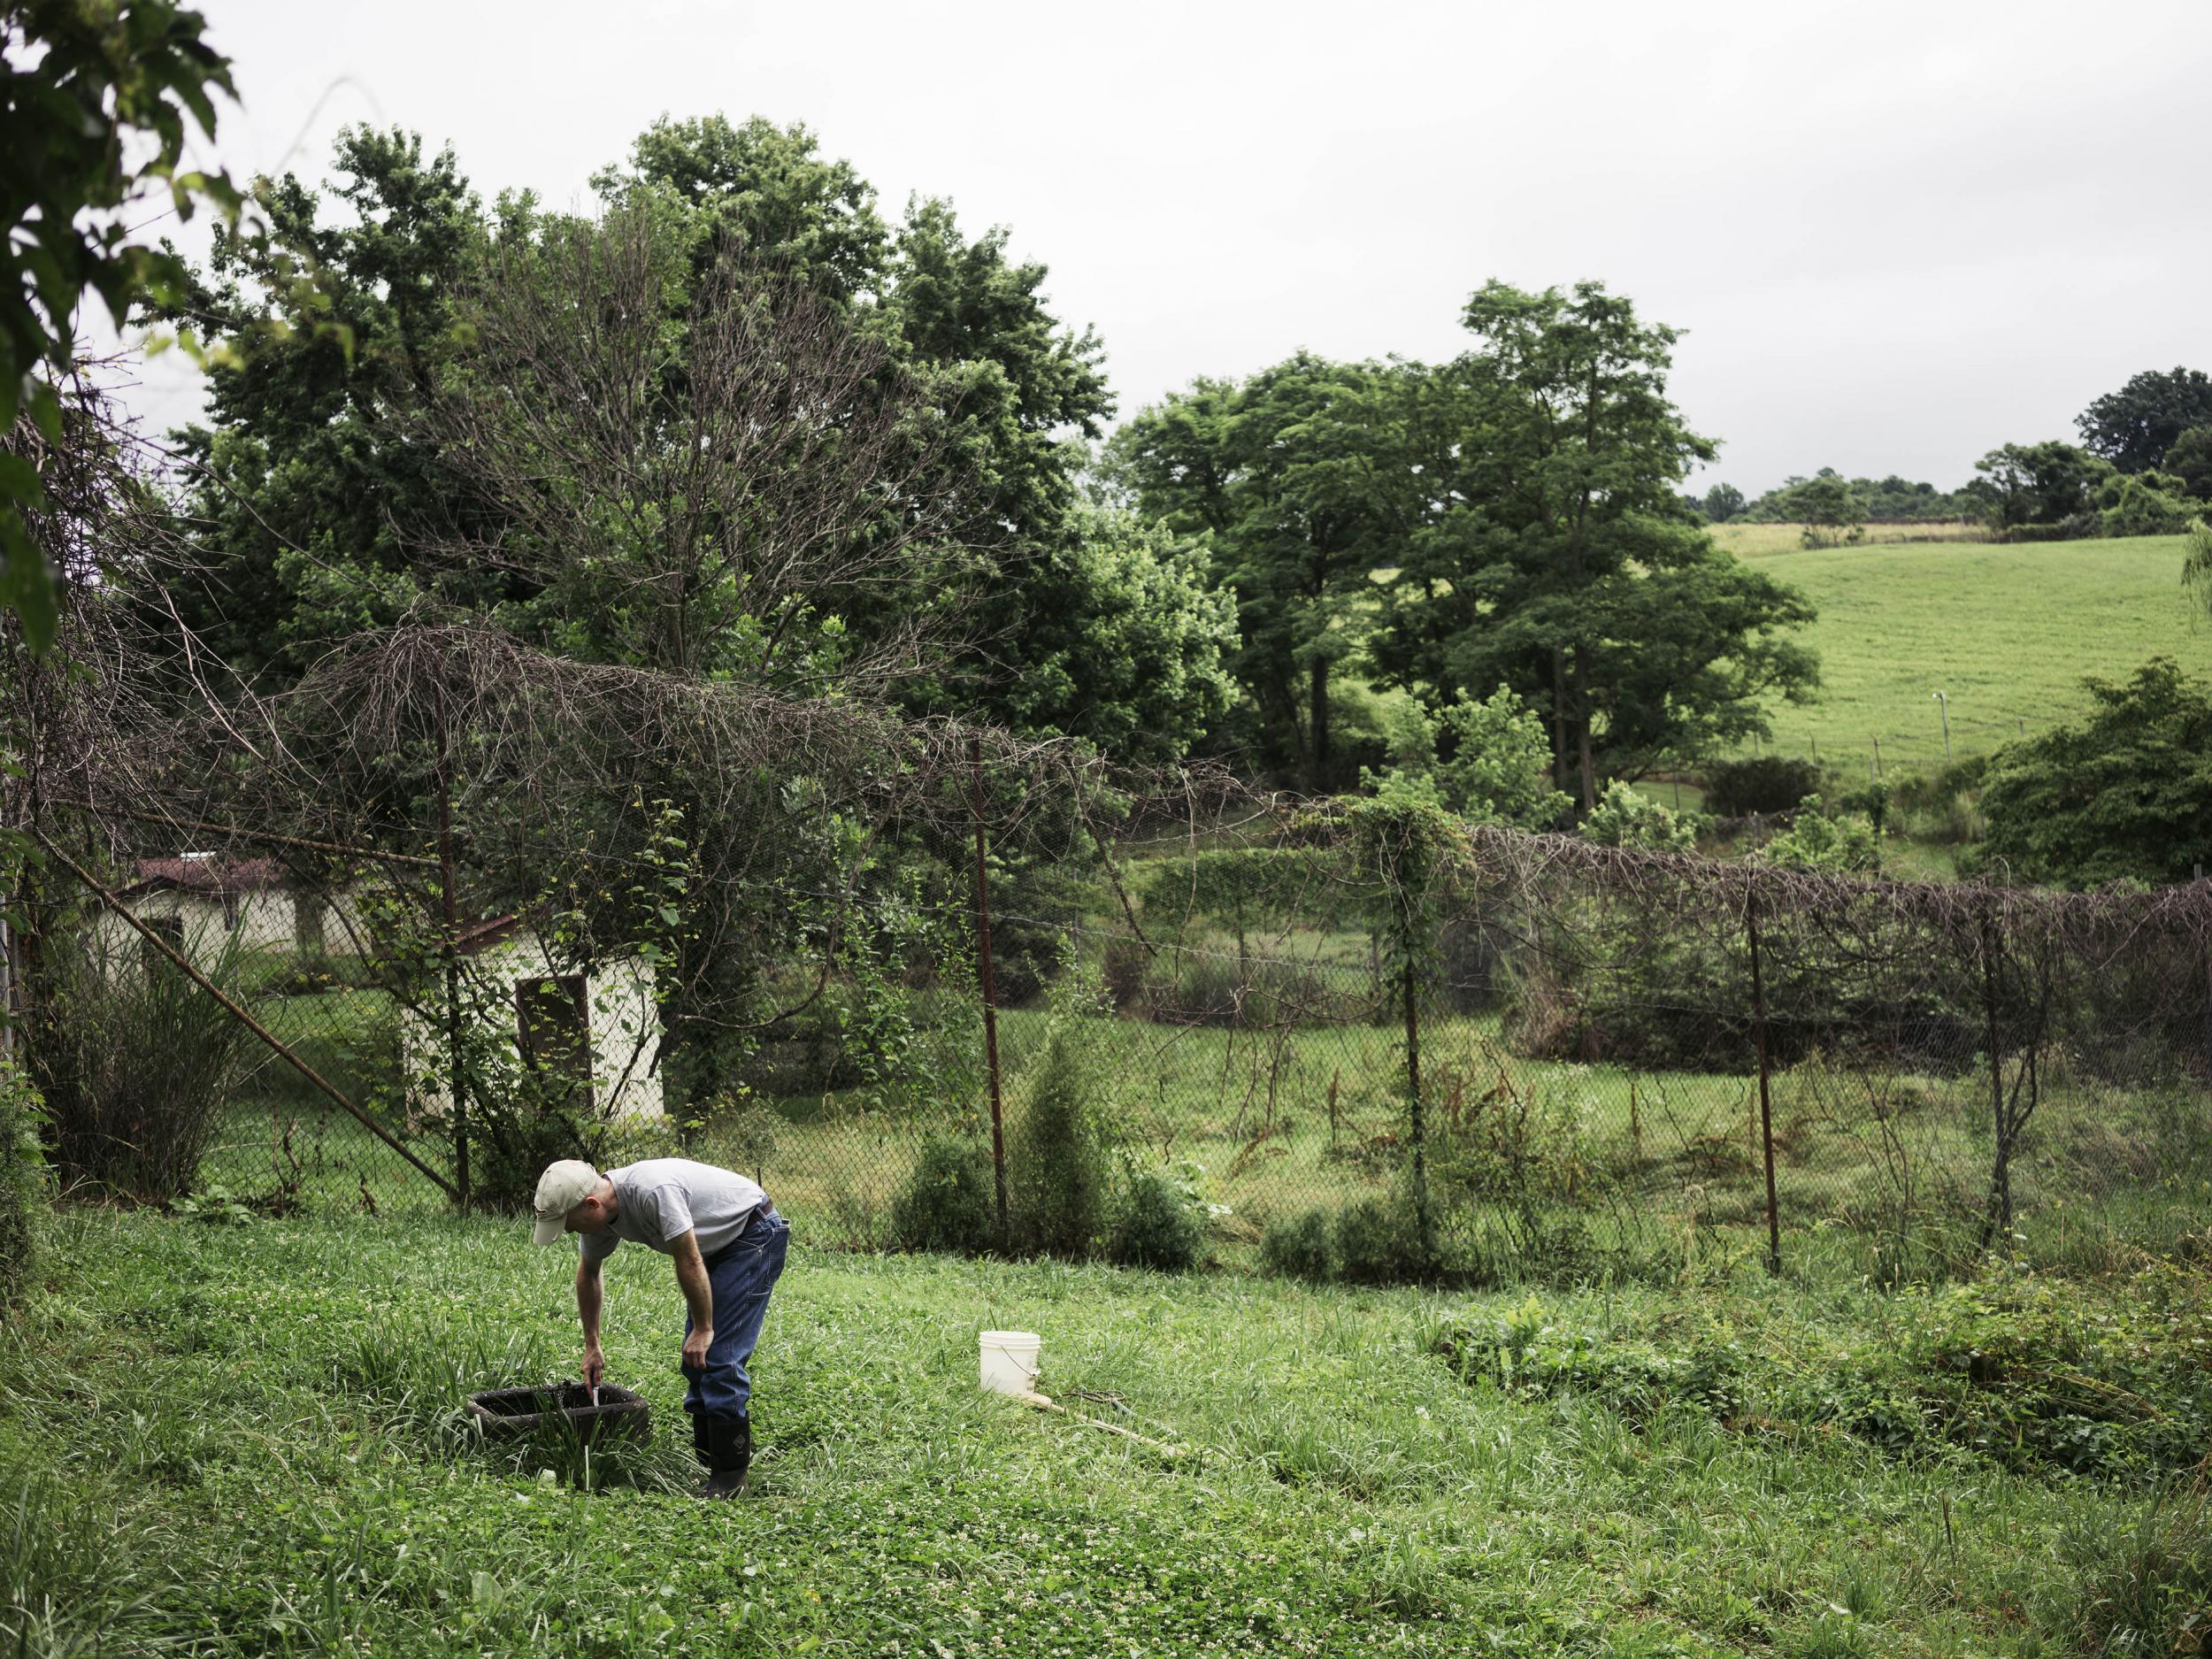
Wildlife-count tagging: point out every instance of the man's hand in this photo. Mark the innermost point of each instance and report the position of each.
(594, 1366)
(695, 1347)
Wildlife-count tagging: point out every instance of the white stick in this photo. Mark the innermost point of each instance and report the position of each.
(1043, 1402)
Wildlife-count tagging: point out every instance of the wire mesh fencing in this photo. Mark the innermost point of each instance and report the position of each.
(937, 988)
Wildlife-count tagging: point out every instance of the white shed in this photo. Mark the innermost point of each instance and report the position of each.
(203, 903)
(595, 1022)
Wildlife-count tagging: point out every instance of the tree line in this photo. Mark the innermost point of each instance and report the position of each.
(738, 423)
(2143, 467)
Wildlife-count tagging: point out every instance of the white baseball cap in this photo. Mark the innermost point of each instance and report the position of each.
(561, 1189)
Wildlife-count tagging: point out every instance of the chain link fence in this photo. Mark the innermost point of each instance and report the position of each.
(935, 988)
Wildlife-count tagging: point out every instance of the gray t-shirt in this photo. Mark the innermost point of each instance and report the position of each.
(656, 1201)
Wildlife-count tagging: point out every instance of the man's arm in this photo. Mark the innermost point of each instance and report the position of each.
(588, 1301)
(691, 1273)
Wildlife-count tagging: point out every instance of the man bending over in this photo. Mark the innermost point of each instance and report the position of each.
(728, 1244)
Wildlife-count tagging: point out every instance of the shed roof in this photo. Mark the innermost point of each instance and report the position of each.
(214, 876)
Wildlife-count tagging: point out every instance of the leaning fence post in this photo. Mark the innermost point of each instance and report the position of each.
(457, 1077)
(1766, 1110)
(276, 1045)
(990, 989)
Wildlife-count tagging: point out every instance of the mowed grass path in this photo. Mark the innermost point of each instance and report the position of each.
(233, 1440)
(2006, 630)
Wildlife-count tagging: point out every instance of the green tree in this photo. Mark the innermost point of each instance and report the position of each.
(2125, 792)
(329, 499)
(2135, 427)
(95, 104)
(1723, 502)
(763, 191)
(318, 489)
(2189, 460)
(1494, 766)
(1832, 512)
(1126, 642)
(2037, 483)
(1559, 559)
(1302, 482)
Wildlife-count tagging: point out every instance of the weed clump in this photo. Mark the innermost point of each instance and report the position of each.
(2144, 1579)
(2027, 1373)
(950, 1202)
(1302, 1247)
(1378, 1243)
(135, 1064)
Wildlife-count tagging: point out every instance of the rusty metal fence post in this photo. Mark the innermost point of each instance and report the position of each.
(456, 1063)
(1417, 1116)
(1766, 1109)
(990, 989)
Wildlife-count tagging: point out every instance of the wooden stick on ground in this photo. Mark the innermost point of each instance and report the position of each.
(1044, 1402)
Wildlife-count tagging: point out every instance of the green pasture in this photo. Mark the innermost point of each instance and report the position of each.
(2006, 630)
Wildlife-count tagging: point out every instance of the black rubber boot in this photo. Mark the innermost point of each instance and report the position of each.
(699, 1439)
(729, 1455)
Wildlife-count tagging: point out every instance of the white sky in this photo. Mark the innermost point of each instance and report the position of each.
(1898, 233)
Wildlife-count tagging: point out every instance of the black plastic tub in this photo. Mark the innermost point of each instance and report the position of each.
(562, 1408)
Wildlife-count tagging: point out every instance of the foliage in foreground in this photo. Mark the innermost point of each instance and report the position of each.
(2014, 1368)
(2124, 793)
(22, 1180)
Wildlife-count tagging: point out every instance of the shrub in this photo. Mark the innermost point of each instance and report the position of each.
(514, 1133)
(22, 1175)
(1262, 993)
(135, 1064)
(1625, 818)
(1817, 843)
(1941, 806)
(1124, 969)
(1378, 1243)
(1300, 1249)
(1870, 801)
(1763, 783)
(1055, 1185)
(2124, 792)
(1156, 1224)
(951, 1201)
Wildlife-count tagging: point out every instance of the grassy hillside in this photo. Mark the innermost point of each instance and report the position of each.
(2008, 631)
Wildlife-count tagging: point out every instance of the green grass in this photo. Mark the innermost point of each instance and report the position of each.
(1638, 1166)
(2008, 631)
(236, 1440)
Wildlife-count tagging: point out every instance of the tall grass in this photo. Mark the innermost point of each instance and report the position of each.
(136, 1065)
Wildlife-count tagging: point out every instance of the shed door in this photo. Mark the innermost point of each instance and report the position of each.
(553, 1030)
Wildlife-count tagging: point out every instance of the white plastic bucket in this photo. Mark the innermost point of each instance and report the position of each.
(1009, 1361)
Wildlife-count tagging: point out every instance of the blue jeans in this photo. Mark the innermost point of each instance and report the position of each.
(741, 1274)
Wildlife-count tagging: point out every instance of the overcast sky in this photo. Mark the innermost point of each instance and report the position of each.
(1897, 233)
